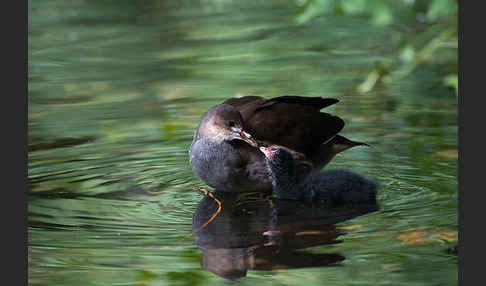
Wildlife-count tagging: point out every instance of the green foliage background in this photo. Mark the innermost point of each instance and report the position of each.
(426, 32)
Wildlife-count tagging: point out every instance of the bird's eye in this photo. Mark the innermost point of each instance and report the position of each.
(231, 123)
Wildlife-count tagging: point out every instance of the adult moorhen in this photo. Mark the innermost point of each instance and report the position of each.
(333, 187)
(224, 152)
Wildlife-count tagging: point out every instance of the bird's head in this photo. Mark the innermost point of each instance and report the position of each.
(224, 122)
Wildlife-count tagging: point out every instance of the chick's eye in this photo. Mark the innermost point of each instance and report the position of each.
(231, 123)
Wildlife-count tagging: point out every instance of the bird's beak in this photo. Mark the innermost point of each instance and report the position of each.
(245, 136)
(248, 139)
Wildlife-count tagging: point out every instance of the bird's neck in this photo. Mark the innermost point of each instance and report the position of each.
(284, 181)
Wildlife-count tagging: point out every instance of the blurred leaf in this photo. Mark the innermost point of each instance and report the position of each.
(382, 13)
(446, 235)
(354, 6)
(451, 154)
(373, 78)
(408, 54)
(370, 82)
(414, 237)
(311, 9)
(440, 8)
(422, 237)
(452, 81)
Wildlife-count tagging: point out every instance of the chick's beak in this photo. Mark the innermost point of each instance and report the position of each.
(266, 151)
(263, 150)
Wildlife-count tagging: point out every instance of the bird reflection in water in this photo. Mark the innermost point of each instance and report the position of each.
(254, 232)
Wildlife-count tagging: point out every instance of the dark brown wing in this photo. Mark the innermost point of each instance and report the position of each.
(316, 103)
(292, 121)
(241, 101)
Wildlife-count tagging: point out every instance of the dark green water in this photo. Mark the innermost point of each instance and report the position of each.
(116, 89)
